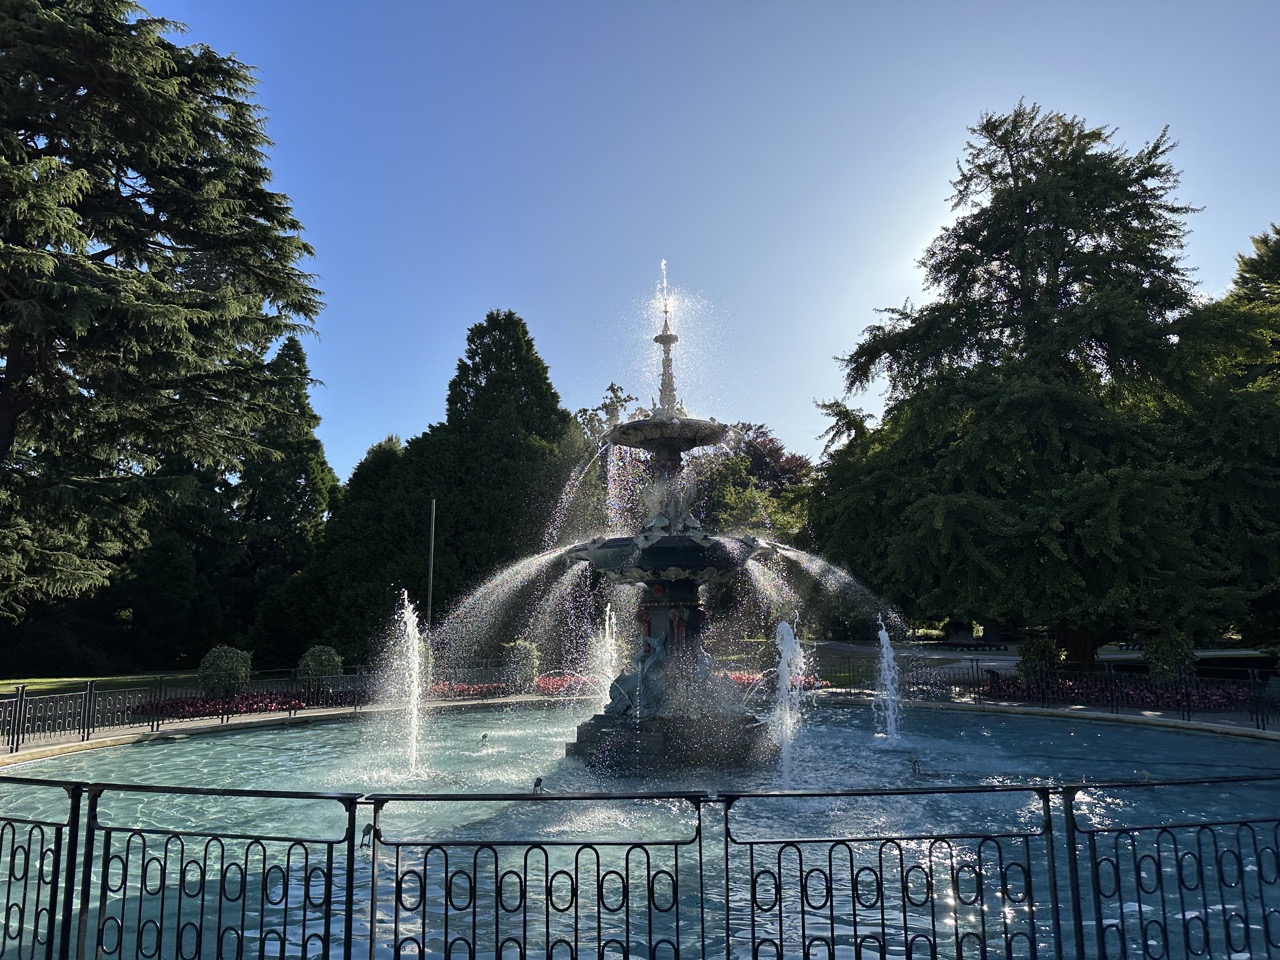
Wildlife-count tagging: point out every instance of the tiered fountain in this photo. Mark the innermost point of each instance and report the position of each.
(670, 707)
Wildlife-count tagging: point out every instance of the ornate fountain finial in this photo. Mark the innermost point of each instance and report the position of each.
(668, 432)
(667, 402)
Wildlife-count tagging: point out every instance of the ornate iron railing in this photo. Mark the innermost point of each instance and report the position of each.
(1021, 871)
(1250, 700)
(28, 719)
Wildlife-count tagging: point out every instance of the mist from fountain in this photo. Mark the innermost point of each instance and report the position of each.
(560, 513)
(488, 609)
(604, 656)
(406, 673)
(790, 695)
(887, 703)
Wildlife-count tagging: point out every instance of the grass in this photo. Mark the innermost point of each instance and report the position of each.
(122, 681)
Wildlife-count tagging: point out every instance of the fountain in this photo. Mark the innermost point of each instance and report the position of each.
(887, 704)
(671, 706)
(791, 668)
(407, 675)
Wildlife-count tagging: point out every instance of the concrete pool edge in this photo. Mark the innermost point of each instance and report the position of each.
(181, 729)
(838, 699)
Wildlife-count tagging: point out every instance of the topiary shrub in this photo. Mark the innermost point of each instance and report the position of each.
(523, 664)
(1170, 657)
(320, 661)
(1040, 658)
(225, 671)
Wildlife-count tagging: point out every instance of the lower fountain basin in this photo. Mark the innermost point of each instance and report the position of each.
(619, 744)
(696, 557)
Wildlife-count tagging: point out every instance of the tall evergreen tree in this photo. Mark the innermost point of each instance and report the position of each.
(1021, 472)
(1228, 379)
(147, 270)
(494, 467)
(283, 488)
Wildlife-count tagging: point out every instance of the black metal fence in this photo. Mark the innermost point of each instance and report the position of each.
(30, 718)
(1251, 699)
(1098, 871)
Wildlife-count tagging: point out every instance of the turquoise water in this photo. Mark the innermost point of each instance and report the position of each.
(502, 750)
(158, 848)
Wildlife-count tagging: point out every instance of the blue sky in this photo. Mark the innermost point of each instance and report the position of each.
(790, 162)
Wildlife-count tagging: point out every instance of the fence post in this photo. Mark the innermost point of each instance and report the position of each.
(1077, 898)
(157, 697)
(19, 717)
(1257, 700)
(86, 714)
(349, 894)
(68, 893)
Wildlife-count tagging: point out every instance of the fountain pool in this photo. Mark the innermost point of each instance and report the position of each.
(502, 750)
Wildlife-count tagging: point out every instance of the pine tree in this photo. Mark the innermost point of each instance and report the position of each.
(147, 271)
(1022, 470)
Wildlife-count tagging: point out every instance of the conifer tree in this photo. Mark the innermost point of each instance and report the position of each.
(1022, 470)
(146, 269)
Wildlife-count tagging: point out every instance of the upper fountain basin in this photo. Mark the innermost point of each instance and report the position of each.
(667, 434)
(682, 556)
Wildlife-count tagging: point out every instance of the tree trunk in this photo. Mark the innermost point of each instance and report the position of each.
(1078, 642)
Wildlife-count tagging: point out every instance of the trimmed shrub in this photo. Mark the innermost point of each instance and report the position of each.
(523, 664)
(225, 671)
(1040, 658)
(320, 661)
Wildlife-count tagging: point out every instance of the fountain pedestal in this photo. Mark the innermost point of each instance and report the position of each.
(665, 743)
(671, 707)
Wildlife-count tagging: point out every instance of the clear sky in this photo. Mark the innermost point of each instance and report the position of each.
(789, 160)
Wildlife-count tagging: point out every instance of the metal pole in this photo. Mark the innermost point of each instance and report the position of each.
(431, 561)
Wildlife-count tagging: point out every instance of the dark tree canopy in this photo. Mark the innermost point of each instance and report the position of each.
(501, 379)
(1066, 257)
(1022, 471)
(752, 482)
(209, 559)
(1258, 275)
(146, 269)
(494, 467)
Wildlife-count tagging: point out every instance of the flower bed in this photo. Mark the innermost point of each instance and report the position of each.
(448, 690)
(748, 681)
(191, 708)
(1196, 696)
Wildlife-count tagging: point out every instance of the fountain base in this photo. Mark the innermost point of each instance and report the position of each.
(722, 741)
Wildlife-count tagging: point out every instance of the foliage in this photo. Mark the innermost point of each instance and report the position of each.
(1039, 657)
(599, 420)
(1169, 656)
(210, 557)
(523, 664)
(225, 671)
(1022, 471)
(320, 661)
(752, 482)
(147, 268)
(284, 488)
(1257, 278)
(1229, 387)
(492, 467)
